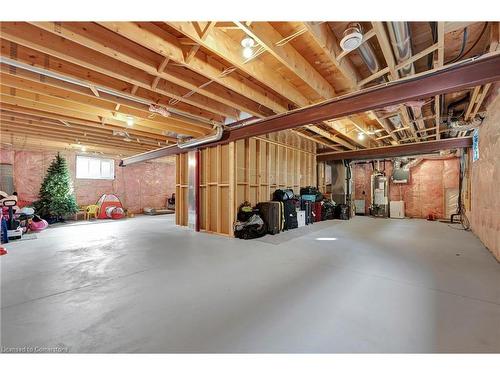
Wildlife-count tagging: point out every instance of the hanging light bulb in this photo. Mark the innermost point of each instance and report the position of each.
(247, 43)
(361, 136)
(130, 121)
(247, 52)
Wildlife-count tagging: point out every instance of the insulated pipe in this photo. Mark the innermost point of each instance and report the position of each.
(399, 33)
(194, 142)
(368, 56)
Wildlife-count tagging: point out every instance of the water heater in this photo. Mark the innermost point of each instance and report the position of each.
(380, 195)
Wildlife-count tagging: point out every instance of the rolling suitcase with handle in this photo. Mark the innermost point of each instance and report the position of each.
(272, 214)
(306, 206)
(316, 207)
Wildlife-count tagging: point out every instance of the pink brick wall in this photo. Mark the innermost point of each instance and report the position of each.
(138, 186)
(423, 195)
(485, 191)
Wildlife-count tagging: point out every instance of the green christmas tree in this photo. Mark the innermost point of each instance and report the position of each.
(56, 193)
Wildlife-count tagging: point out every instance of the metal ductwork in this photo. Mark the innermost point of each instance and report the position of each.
(368, 56)
(194, 142)
(352, 39)
(399, 33)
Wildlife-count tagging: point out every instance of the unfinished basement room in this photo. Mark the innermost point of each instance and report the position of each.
(250, 186)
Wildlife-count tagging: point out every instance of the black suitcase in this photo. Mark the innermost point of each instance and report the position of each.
(290, 213)
(282, 195)
(307, 207)
(272, 214)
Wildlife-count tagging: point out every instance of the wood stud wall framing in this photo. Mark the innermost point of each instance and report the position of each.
(245, 170)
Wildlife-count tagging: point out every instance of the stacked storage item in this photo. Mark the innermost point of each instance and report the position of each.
(306, 206)
(316, 211)
(272, 214)
(301, 218)
(290, 214)
(342, 212)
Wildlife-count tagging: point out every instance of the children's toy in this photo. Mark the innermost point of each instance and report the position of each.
(113, 212)
(91, 211)
(110, 200)
(14, 230)
(37, 224)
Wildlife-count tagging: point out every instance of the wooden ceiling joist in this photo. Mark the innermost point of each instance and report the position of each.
(53, 45)
(267, 37)
(228, 49)
(328, 42)
(163, 43)
(18, 110)
(77, 95)
(41, 101)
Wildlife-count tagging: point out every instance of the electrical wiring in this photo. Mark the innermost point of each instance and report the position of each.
(464, 221)
(464, 42)
(478, 39)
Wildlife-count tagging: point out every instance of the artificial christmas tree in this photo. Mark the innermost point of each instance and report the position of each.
(56, 193)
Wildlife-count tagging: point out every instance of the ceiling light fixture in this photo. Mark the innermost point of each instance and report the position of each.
(361, 136)
(247, 43)
(353, 37)
(130, 121)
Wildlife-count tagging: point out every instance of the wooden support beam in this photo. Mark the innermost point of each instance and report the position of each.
(317, 140)
(329, 136)
(362, 128)
(367, 36)
(53, 95)
(225, 47)
(97, 62)
(417, 56)
(440, 42)
(165, 44)
(267, 37)
(385, 45)
(374, 76)
(480, 100)
(62, 116)
(328, 42)
(102, 56)
(398, 150)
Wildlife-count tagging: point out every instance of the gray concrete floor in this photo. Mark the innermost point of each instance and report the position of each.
(145, 285)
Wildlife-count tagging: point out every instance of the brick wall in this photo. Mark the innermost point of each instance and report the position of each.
(138, 186)
(425, 192)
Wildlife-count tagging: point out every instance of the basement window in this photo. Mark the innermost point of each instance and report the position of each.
(95, 168)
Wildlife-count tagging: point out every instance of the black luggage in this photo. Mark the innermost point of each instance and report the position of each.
(342, 212)
(272, 214)
(281, 195)
(307, 207)
(328, 212)
(308, 190)
(254, 227)
(290, 213)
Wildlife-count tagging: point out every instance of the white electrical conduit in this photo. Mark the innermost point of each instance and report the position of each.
(74, 81)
